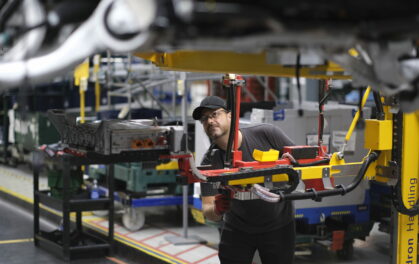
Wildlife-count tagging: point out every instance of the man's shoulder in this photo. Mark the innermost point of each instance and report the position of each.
(257, 127)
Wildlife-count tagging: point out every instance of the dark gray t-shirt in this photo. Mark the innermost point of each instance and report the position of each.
(253, 216)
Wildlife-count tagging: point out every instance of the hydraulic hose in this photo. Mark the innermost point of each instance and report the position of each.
(399, 204)
(338, 190)
(295, 163)
(379, 106)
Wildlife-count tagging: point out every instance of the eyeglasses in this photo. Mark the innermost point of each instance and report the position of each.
(213, 115)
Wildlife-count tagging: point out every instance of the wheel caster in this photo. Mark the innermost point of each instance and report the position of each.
(133, 219)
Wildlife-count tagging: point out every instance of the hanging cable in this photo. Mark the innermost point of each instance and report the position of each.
(323, 95)
(361, 122)
(399, 204)
(297, 76)
(232, 107)
(378, 105)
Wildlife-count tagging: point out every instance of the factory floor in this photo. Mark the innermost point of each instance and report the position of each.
(16, 240)
(146, 246)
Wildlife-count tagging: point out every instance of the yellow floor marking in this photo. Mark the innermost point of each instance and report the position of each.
(13, 241)
(21, 197)
(96, 227)
(28, 200)
(132, 243)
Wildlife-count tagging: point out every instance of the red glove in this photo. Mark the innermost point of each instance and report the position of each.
(221, 204)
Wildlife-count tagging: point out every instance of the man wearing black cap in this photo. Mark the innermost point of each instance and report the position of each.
(253, 224)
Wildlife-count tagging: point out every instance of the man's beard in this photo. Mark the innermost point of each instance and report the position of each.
(215, 133)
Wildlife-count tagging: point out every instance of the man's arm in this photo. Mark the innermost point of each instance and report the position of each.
(208, 192)
(208, 208)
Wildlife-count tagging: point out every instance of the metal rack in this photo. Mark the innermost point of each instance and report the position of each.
(81, 243)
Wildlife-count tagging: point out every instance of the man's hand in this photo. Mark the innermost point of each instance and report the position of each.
(221, 204)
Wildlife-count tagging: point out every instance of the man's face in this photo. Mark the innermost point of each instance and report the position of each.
(216, 122)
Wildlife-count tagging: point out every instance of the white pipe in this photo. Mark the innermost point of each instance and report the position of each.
(30, 42)
(90, 38)
(264, 194)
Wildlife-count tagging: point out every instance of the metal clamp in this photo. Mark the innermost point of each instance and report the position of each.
(326, 178)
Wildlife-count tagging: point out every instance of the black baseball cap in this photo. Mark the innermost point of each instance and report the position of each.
(210, 102)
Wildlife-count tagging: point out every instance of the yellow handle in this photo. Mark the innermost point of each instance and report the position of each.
(81, 79)
(356, 117)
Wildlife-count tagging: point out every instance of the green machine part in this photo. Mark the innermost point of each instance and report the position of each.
(139, 179)
(55, 182)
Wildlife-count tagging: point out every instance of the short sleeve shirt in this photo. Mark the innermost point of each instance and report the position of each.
(253, 216)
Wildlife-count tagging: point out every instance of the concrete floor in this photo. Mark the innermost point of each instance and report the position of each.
(16, 240)
(16, 225)
(374, 250)
(16, 244)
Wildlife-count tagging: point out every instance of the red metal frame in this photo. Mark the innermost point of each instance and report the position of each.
(238, 163)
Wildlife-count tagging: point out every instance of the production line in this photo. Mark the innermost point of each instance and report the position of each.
(99, 146)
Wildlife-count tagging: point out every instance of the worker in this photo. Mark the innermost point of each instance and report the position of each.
(248, 225)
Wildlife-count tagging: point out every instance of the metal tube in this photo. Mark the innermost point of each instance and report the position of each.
(353, 124)
(237, 117)
(356, 117)
(185, 210)
(185, 137)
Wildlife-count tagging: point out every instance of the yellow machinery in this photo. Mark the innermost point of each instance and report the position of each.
(240, 63)
(394, 135)
(406, 235)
